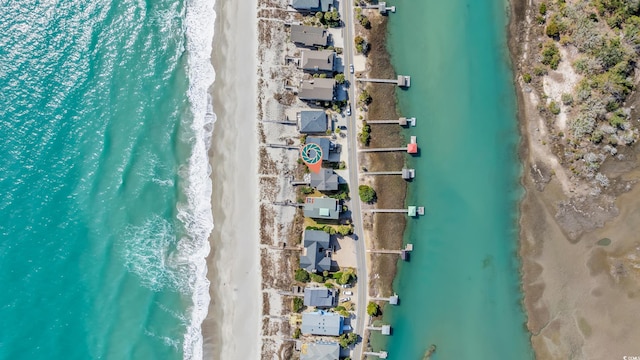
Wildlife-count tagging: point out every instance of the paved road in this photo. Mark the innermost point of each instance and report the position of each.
(352, 143)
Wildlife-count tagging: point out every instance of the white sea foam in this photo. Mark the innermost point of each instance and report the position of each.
(195, 213)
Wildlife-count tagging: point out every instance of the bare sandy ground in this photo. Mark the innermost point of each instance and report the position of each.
(232, 328)
(580, 252)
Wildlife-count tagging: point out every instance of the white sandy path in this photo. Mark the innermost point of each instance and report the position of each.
(232, 328)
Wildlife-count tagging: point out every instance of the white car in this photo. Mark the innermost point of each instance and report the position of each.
(346, 286)
(345, 299)
(349, 293)
(348, 110)
(351, 69)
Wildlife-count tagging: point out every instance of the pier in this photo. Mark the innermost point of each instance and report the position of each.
(402, 81)
(384, 329)
(283, 146)
(404, 253)
(382, 7)
(411, 148)
(392, 300)
(287, 203)
(380, 354)
(411, 210)
(407, 174)
(403, 121)
(283, 122)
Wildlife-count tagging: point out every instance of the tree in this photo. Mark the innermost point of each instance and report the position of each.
(297, 304)
(347, 340)
(552, 29)
(365, 97)
(345, 230)
(359, 40)
(554, 108)
(345, 276)
(340, 78)
(373, 309)
(367, 194)
(316, 278)
(302, 275)
(550, 54)
(526, 77)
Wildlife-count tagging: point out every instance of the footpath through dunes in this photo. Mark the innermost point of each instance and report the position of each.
(461, 289)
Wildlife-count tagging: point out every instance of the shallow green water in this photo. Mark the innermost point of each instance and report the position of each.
(461, 289)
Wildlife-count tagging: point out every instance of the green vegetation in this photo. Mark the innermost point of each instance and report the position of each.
(348, 339)
(302, 275)
(364, 97)
(364, 21)
(329, 18)
(307, 190)
(543, 9)
(296, 333)
(367, 194)
(361, 45)
(567, 99)
(552, 29)
(365, 135)
(345, 230)
(317, 278)
(554, 108)
(297, 304)
(346, 276)
(342, 193)
(550, 54)
(340, 78)
(373, 309)
(342, 311)
(526, 77)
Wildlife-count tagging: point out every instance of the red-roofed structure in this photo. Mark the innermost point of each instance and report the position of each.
(412, 148)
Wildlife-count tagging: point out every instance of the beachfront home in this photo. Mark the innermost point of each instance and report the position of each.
(322, 208)
(311, 5)
(316, 61)
(317, 89)
(312, 121)
(321, 350)
(302, 35)
(316, 257)
(322, 323)
(320, 297)
(330, 150)
(325, 180)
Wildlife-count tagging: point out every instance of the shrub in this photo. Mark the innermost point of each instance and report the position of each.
(554, 108)
(567, 99)
(616, 121)
(316, 278)
(552, 29)
(329, 229)
(543, 9)
(348, 339)
(365, 97)
(365, 135)
(526, 77)
(302, 275)
(345, 276)
(359, 40)
(296, 333)
(340, 78)
(539, 71)
(297, 304)
(306, 190)
(367, 194)
(373, 309)
(550, 55)
(345, 230)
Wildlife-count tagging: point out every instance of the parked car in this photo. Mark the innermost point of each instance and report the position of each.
(345, 299)
(346, 286)
(349, 293)
(351, 69)
(348, 110)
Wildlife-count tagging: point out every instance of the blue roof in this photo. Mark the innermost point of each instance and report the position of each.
(322, 323)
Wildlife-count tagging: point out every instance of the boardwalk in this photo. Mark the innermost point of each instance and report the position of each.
(401, 81)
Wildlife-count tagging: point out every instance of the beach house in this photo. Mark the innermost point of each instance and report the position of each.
(320, 350)
(317, 61)
(312, 122)
(311, 5)
(318, 89)
(322, 208)
(330, 150)
(325, 180)
(316, 257)
(322, 323)
(308, 36)
(320, 297)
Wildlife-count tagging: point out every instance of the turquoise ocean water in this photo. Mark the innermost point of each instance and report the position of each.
(103, 176)
(461, 289)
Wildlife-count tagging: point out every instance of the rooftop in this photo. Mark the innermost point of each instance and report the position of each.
(325, 180)
(311, 5)
(313, 60)
(320, 297)
(315, 259)
(309, 35)
(320, 351)
(312, 121)
(322, 208)
(317, 89)
(322, 323)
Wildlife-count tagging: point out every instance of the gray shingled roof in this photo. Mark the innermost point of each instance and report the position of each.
(311, 5)
(313, 60)
(325, 180)
(313, 121)
(320, 350)
(322, 208)
(315, 259)
(320, 297)
(317, 89)
(309, 35)
(325, 145)
(322, 323)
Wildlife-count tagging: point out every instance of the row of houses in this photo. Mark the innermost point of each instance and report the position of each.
(315, 89)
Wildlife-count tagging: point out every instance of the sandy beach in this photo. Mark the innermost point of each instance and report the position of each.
(234, 265)
(580, 252)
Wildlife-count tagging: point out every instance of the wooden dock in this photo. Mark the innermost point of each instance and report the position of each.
(392, 300)
(283, 146)
(382, 7)
(403, 121)
(379, 354)
(404, 253)
(401, 81)
(406, 174)
(383, 149)
(410, 210)
(384, 329)
(411, 148)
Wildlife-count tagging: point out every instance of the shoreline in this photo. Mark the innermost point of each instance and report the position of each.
(233, 318)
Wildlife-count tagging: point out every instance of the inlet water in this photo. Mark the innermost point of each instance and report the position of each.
(461, 289)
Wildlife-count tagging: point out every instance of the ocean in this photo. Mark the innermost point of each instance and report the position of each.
(461, 288)
(105, 122)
